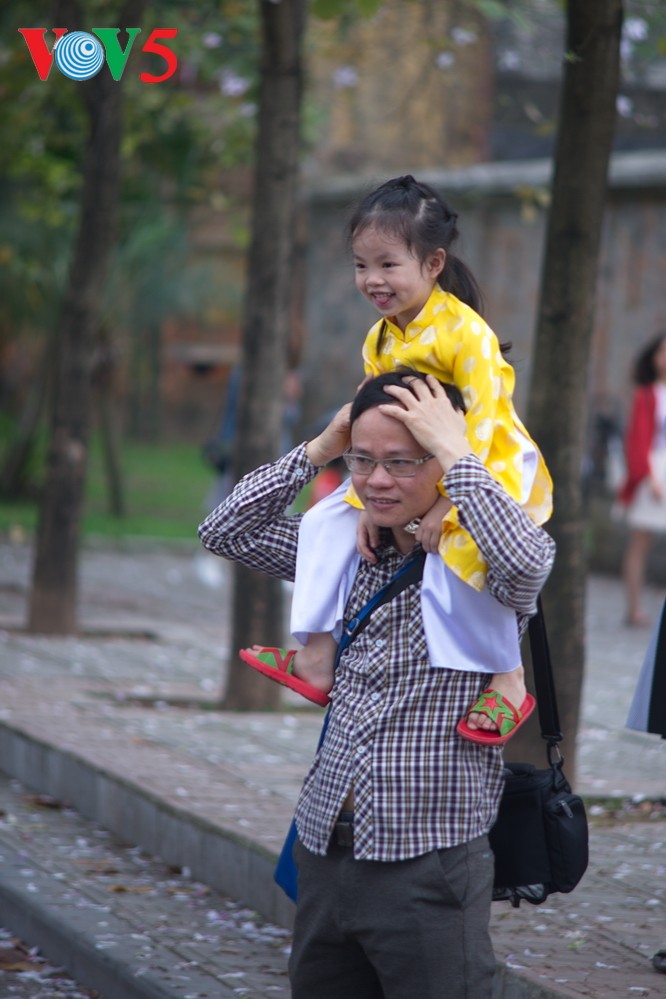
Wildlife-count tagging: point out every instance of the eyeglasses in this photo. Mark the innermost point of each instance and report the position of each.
(399, 468)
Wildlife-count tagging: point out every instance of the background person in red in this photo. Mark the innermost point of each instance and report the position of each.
(644, 490)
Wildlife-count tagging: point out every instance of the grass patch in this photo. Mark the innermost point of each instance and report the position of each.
(165, 492)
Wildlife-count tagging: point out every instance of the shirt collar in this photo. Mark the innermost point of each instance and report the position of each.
(425, 318)
(386, 549)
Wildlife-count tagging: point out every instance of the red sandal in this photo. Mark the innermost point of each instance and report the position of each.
(278, 664)
(506, 716)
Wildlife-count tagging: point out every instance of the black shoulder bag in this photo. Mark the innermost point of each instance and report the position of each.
(540, 838)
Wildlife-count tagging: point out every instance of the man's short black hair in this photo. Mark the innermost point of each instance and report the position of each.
(372, 393)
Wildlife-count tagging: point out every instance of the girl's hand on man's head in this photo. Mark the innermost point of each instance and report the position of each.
(430, 417)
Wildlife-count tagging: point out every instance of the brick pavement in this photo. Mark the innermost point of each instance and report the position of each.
(213, 792)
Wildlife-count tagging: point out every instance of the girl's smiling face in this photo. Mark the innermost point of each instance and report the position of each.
(389, 275)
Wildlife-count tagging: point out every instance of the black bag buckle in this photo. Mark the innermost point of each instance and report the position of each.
(343, 834)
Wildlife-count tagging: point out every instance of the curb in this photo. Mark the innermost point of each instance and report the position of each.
(239, 868)
(67, 935)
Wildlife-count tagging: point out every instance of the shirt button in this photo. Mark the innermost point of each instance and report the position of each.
(380, 643)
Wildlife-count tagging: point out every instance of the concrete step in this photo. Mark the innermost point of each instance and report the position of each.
(123, 922)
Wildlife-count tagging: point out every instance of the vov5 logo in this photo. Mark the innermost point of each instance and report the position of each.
(80, 55)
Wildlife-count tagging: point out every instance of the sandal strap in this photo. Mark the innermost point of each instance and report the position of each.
(499, 709)
(281, 659)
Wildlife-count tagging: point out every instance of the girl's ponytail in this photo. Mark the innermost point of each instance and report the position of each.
(458, 279)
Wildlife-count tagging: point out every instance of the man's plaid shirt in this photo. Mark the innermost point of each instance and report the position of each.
(391, 735)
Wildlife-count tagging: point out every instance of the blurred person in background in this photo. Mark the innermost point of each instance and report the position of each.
(643, 493)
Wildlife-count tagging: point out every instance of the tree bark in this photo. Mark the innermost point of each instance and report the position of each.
(257, 601)
(15, 472)
(53, 597)
(102, 383)
(557, 410)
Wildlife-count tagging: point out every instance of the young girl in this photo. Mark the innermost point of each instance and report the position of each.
(401, 237)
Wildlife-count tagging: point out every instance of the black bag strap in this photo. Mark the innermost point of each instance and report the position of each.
(543, 678)
(408, 573)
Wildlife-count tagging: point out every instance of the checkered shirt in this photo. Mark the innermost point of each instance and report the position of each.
(391, 735)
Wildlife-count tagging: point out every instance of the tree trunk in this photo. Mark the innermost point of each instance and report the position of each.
(152, 423)
(15, 480)
(557, 412)
(110, 444)
(257, 601)
(53, 598)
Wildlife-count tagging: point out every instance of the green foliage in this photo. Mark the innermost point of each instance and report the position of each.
(32, 267)
(494, 10)
(327, 10)
(34, 466)
(499, 10)
(177, 135)
(166, 490)
(643, 36)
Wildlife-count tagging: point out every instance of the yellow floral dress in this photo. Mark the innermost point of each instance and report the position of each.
(451, 341)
